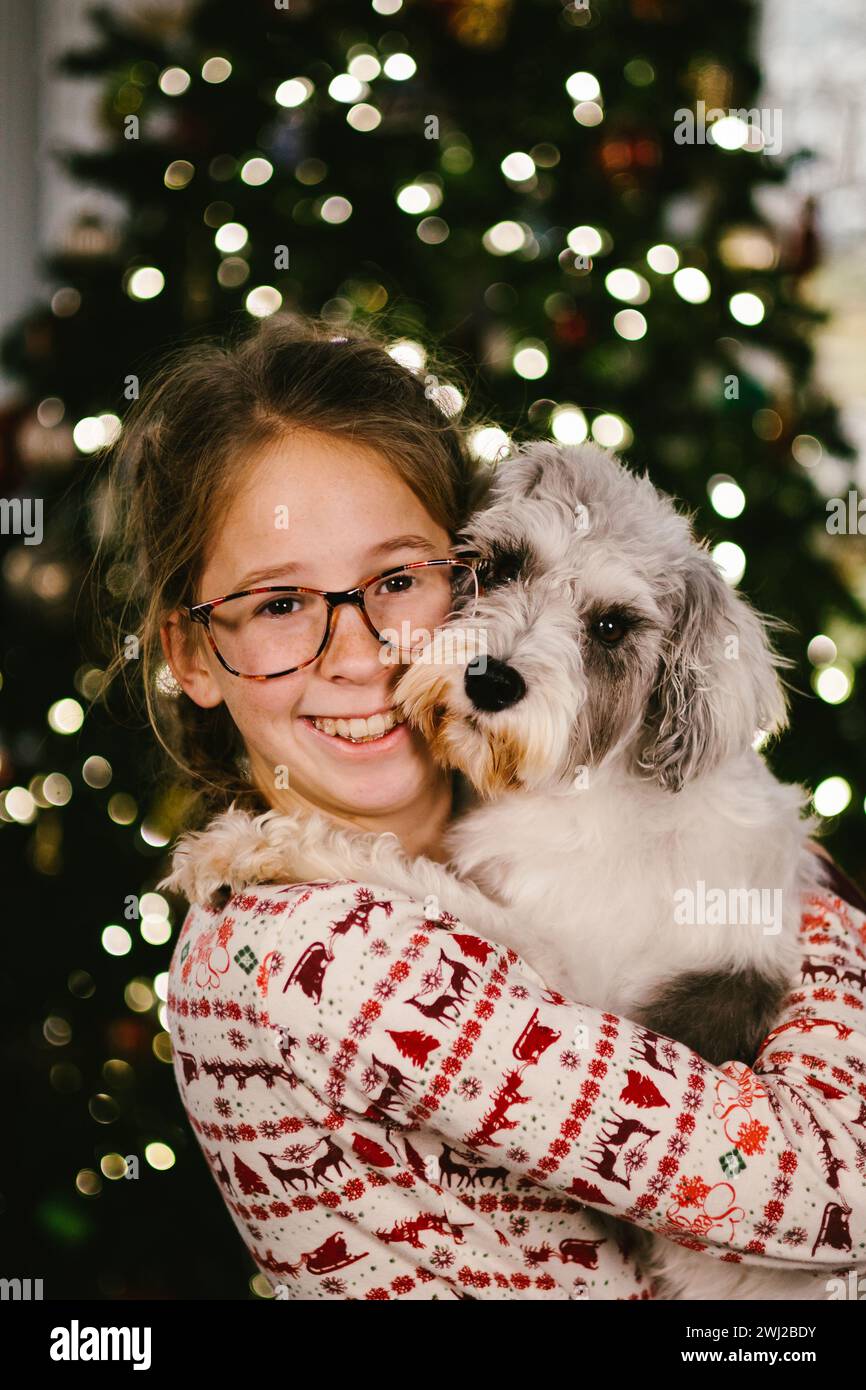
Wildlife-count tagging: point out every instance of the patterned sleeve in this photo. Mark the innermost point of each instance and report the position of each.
(396, 1020)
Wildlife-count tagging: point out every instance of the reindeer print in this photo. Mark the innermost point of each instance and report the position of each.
(391, 1109)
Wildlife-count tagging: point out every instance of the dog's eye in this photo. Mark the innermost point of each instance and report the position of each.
(610, 629)
(502, 569)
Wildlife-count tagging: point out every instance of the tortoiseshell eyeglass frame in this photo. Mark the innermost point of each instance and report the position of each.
(201, 612)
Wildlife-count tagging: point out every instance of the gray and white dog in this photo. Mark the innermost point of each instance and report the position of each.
(627, 839)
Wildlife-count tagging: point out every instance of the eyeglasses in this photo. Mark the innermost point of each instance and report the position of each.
(263, 633)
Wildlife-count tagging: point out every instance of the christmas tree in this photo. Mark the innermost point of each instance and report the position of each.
(527, 182)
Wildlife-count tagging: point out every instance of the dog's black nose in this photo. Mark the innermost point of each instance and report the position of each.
(491, 685)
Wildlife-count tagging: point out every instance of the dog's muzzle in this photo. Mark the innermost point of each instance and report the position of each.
(492, 685)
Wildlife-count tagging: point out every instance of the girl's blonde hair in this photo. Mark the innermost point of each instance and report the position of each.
(170, 474)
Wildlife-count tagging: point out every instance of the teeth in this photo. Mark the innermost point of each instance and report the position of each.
(361, 730)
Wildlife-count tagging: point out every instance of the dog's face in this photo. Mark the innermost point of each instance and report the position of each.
(605, 632)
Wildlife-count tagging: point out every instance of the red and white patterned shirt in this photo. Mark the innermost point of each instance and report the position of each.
(397, 1108)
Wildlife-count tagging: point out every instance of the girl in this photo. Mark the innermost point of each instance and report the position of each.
(393, 1106)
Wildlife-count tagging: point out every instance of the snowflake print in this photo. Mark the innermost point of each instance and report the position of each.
(796, 1236)
(379, 947)
(657, 1185)
(317, 1042)
(752, 1137)
(334, 1088)
(385, 989)
(469, 1088)
(403, 1284)
(691, 1192)
(360, 1027)
(335, 1287)
(269, 1129)
(569, 1059)
(519, 992)
(518, 1156)
(781, 1186)
(430, 980)
(298, 1153)
(635, 1159)
(370, 1078)
(442, 1257)
(222, 1106)
(237, 1039)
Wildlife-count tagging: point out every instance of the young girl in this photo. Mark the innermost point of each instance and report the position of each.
(393, 1106)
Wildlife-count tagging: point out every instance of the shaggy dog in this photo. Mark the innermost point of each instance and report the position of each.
(627, 840)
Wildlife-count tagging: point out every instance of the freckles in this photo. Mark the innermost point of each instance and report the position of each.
(255, 703)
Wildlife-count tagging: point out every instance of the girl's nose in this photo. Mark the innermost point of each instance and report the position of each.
(352, 653)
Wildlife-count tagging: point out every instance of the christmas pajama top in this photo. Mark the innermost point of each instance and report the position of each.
(396, 1108)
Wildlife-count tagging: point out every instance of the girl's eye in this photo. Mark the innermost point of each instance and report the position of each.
(284, 606)
(610, 629)
(397, 584)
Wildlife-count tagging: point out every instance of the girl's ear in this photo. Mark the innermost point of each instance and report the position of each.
(189, 663)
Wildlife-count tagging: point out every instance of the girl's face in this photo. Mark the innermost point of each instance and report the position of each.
(327, 513)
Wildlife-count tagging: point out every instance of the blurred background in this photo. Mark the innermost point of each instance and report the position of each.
(532, 183)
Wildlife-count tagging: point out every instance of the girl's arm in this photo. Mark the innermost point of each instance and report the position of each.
(399, 1021)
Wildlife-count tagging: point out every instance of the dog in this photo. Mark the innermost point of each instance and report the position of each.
(610, 731)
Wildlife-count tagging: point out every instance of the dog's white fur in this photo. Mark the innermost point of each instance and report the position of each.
(622, 776)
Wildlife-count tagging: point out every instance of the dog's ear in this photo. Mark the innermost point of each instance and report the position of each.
(717, 683)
